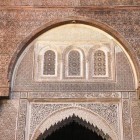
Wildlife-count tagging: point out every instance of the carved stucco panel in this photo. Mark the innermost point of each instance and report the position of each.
(127, 130)
(135, 109)
(21, 124)
(87, 95)
(40, 111)
(8, 116)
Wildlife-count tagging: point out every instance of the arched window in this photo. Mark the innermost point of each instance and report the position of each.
(49, 63)
(99, 67)
(74, 64)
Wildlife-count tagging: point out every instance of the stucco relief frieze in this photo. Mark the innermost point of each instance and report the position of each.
(75, 95)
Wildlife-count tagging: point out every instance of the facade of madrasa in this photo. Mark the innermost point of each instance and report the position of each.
(69, 64)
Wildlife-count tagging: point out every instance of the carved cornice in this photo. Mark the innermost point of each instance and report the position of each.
(94, 8)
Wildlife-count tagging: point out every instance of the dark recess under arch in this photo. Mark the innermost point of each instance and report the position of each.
(71, 127)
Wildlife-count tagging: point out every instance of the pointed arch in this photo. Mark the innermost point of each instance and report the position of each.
(86, 116)
(77, 120)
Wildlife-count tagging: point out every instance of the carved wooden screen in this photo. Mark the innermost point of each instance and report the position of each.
(99, 67)
(74, 64)
(49, 63)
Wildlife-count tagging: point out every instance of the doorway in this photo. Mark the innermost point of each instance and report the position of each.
(73, 131)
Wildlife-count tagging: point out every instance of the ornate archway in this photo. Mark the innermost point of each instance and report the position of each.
(103, 93)
(73, 130)
(73, 127)
(75, 20)
(84, 117)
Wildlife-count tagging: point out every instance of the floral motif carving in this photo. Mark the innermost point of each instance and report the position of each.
(108, 111)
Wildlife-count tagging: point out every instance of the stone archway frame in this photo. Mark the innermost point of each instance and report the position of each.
(120, 40)
(92, 118)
